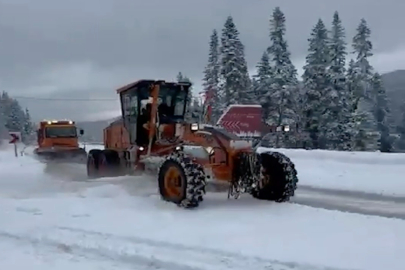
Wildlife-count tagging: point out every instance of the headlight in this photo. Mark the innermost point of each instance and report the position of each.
(179, 148)
(283, 128)
(141, 148)
(209, 150)
(194, 127)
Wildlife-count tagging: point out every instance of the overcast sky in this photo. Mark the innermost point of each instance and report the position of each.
(88, 48)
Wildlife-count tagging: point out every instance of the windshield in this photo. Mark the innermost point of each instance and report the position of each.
(171, 98)
(60, 132)
(174, 98)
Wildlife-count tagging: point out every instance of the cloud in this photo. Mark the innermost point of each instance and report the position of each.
(89, 48)
(390, 60)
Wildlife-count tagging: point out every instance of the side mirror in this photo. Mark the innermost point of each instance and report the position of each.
(81, 131)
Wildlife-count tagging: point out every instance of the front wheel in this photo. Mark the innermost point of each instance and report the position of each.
(278, 178)
(182, 181)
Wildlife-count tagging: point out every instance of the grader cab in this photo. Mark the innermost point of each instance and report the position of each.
(187, 155)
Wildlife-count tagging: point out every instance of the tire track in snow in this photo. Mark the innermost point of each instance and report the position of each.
(351, 201)
(149, 254)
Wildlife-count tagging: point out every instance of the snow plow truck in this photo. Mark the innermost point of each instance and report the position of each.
(58, 141)
(153, 133)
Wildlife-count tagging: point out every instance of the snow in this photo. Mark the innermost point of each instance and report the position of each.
(121, 223)
(371, 172)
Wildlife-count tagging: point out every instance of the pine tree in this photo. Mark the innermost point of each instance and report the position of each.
(400, 143)
(362, 49)
(352, 85)
(263, 84)
(283, 95)
(14, 117)
(28, 128)
(342, 131)
(319, 94)
(381, 112)
(366, 138)
(234, 80)
(211, 78)
(284, 71)
(3, 130)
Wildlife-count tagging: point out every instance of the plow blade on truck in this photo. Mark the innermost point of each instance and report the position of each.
(62, 155)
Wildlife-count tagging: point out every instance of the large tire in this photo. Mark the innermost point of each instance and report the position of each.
(189, 190)
(93, 161)
(282, 177)
(103, 163)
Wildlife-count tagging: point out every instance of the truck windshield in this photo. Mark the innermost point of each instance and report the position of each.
(60, 132)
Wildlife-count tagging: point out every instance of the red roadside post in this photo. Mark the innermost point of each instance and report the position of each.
(15, 138)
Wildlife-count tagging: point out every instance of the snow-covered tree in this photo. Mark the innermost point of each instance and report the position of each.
(28, 131)
(381, 112)
(13, 117)
(211, 78)
(366, 126)
(262, 85)
(234, 80)
(284, 71)
(342, 130)
(283, 95)
(400, 143)
(363, 51)
(320, 99)
(3, 130)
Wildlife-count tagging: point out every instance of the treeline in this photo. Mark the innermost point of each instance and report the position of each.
(334, 106)
(14, 118)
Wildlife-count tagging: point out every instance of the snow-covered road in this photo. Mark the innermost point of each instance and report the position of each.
(377, 202)
(105, 224)
(51, 218)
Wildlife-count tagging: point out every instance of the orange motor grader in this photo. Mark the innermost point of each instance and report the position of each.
(153, 130)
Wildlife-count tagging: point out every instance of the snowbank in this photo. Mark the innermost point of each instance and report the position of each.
(381, 173)
(371, 158)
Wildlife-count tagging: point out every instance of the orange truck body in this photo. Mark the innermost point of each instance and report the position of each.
(115, 136)
(58, 140)
(45, 141)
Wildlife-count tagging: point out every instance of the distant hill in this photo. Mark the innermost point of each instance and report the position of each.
(395, 86)
(93, 130)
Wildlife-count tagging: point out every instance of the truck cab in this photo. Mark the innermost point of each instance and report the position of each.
(58, 134)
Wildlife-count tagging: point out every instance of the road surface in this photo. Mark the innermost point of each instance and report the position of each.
(351, 201)
(340, 200)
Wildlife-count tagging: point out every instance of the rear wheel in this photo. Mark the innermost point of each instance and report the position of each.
(93, 163)
(182, 181)
(103, 163)
(278, 178)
